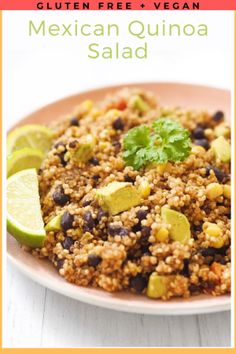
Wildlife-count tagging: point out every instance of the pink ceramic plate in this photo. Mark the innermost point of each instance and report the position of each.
(41, 271)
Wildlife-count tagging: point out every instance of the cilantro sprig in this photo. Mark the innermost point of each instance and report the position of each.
(166, 140)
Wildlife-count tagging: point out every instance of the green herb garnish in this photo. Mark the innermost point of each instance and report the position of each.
(165, 141)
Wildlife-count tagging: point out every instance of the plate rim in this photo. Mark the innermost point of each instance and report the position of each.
(118, 86)
(128, 306)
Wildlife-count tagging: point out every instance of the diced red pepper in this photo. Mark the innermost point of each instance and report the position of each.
(121, 105)
(216, 268)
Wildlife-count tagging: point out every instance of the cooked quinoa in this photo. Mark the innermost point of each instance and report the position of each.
(124, 251)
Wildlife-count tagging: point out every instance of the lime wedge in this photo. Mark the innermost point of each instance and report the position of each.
(179, 224)
(24, 218)
(24, 159)
(32, 135)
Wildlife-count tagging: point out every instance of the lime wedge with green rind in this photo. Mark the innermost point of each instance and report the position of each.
(24, 217)
(34, 136)
(179, 224)
(24, 159)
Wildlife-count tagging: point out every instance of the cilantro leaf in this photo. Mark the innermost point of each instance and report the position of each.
(135, 143)
(166, 141)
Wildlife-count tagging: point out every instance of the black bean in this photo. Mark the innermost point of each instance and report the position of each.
(138, 283)
(145, 247)
(197, 228)
(117, 145)
(198, 133)
(137, 227)
(208, 260)
(113, 229)
(194, 289)
(220, 175)
(211, 251)
(223, 261)
(222, 250)
(60, 143)
(142, 214)
(60, 197)
(62, 158)
(94, 161)
(74, 121)
(118, 124)
(101, 214)
(226, 177)
(60, 263)
(73, 144)
(89, 221)
(67, 221)
(133, 254)
(93, 259)
(202, 142)
(61, 155)
(67, 243)
(218, 116)
(185, 270)
(87, 202)
(127, 178)
(208, 284)
(218, 258)
(117, 230)
(123, 232)
(145, 231)
(95, 177)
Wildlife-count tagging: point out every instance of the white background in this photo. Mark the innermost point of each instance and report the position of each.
(40, 70)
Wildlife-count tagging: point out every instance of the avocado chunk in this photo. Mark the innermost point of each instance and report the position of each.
(158, 285)
(221, 148)
(222, 130)
(54, 224)
(84, 149)
(139, 104)
(179, 225)
(117, 197)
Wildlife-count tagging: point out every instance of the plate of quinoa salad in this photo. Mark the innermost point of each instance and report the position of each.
(120, 197)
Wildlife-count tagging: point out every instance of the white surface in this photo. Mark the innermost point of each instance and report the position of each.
(39, 71)
(38, 317)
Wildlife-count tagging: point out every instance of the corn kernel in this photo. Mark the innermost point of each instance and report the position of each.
(103, 145)
(144, 188)
(214, 190)
(213, 230)
(209, 134)
(205, 225)
(96, 113)
(198, 150)
(218, 242)
(163, 167)
(113, 114)
(86, 106)
(83, 108)
(227, 191)
(162, 235)
(157, 286)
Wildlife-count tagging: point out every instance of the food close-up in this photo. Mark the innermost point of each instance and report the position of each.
(126, 194)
